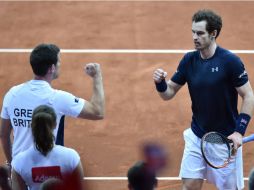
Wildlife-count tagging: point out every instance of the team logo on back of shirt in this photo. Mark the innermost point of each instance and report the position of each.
(41, 174)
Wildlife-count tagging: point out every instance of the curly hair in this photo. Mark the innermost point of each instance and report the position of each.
(214, 21)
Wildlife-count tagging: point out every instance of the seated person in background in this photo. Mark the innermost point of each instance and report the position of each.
(52, 184)
(4, 182)
(251, 179)
(44, 159)
(142, 176)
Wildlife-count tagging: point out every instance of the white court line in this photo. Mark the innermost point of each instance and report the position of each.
(159, 51)
(126, 0)
(125, 178)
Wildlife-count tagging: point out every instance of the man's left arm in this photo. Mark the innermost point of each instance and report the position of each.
(246, 93)
(246, 111)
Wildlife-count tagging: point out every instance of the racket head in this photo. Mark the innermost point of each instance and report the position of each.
(216, 149)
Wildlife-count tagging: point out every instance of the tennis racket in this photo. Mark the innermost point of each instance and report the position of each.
(217, 149)
(248, 138)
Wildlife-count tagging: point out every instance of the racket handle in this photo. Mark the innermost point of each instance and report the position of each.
(248, 138)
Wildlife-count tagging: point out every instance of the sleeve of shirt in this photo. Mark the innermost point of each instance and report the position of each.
(6, 102)
(69, 104)
(180, 77)
(238, 75)
(75, 159)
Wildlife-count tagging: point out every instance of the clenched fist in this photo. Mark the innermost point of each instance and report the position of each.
(93, 69)
(159, 75)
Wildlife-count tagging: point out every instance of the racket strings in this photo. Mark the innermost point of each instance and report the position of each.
(213, 138)
(216, 150)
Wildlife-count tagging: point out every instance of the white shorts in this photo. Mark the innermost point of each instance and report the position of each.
(193, 166)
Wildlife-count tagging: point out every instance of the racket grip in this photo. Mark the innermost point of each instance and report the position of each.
(248, 138)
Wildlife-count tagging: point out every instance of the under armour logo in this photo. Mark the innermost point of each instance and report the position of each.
(215, 69)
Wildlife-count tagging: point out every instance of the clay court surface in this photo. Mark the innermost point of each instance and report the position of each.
(134, 111)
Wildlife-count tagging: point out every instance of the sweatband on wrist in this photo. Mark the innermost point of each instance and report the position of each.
(242, 123)
(162, 86)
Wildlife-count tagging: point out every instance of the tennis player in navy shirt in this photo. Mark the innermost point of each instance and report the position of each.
(215, 77)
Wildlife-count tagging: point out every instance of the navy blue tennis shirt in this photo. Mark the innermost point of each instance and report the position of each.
(212, 84)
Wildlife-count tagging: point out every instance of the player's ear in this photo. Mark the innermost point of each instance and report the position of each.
(52, 69)
(213, 34)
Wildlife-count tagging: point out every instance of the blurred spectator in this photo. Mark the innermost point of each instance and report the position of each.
(4, 182)
(52, 184)
(142, 176)
(251, 179)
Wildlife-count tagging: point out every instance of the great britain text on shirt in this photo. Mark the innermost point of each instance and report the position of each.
(22, 117)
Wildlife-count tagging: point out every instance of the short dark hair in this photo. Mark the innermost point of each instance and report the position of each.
(43, 123)
(140, 178)
(52, 184)
(43, 57)
(214, 21)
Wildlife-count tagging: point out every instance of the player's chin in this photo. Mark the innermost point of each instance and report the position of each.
(198, 47)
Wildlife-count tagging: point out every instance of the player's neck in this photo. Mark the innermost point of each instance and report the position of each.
(208, 52)
(45, 78)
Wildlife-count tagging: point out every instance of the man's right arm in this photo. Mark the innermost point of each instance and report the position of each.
(5, 133)
(172, 89)
(166, 89)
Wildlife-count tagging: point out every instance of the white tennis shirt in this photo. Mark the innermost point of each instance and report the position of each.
(20, 101)
(34, 168)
